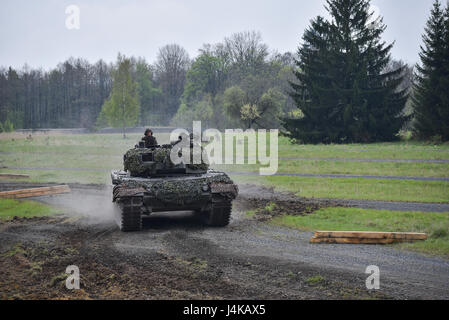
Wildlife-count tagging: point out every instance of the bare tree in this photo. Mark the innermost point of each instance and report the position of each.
(170, 70)
(246, 49)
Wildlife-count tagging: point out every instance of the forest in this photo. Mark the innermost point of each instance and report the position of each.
(172, 91)
(341, 85)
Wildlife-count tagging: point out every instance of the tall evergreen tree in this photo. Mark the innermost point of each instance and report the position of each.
(430, 98)
(444, 112)
(342, 88)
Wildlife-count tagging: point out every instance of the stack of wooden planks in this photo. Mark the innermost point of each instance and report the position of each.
(34, 192)
(13, 176)
(363, 237)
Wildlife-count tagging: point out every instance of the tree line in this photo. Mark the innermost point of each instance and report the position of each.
(341, 85)
(173, 90)
(70, 95)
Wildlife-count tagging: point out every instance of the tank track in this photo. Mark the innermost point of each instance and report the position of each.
(129, 217)
(220, 214)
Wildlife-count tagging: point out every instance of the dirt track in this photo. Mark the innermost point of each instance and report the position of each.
(175, 257)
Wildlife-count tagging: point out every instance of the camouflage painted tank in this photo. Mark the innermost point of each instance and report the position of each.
(150, 182)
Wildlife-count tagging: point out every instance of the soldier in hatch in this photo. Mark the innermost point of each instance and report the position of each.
(150, 141)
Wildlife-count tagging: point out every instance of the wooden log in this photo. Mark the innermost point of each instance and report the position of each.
(13, 176)
(38, 189)
(371, 235)
(35, 192)
(353, 241)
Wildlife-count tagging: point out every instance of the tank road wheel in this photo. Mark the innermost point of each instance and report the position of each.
(220, 215)
(129, 218)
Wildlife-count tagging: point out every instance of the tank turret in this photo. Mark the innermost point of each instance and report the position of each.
(148, 162)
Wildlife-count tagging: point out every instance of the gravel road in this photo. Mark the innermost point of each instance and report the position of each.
(248, 259)
(182, 259)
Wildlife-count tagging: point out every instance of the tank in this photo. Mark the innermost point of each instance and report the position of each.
(150, 182)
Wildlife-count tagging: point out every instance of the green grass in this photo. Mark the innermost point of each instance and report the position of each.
(355, 188)
(10, 208)
(413, 169)
(436, 225)
(270, 207)
(387, 150)
(104, 152)
(250, 213)
(63, 176)
(48, 160)
(108, 161)
(315, 280)
(99, 144)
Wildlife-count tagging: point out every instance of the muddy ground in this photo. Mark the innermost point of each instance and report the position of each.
(175, 257)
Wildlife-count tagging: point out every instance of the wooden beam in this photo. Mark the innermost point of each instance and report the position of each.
(353, 241)
(364, 237)
(13, 176)
(35, 192)
(371, 235)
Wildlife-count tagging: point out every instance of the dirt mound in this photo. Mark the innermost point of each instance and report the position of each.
(265, 209)
(263, 203)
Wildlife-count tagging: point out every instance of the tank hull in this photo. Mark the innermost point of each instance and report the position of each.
(208, 194)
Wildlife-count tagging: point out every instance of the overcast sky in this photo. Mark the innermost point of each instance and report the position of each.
(35, 32)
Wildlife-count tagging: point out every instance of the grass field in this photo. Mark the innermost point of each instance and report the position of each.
(87, 158)
(436, 225)
(10, 208)
(356, 188)
(387, 150)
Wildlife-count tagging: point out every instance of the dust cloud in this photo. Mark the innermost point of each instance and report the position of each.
(94, 205)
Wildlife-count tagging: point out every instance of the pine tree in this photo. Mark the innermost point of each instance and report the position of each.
(122, 108)
(444, 111)
(430, 98)
(342, 88)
